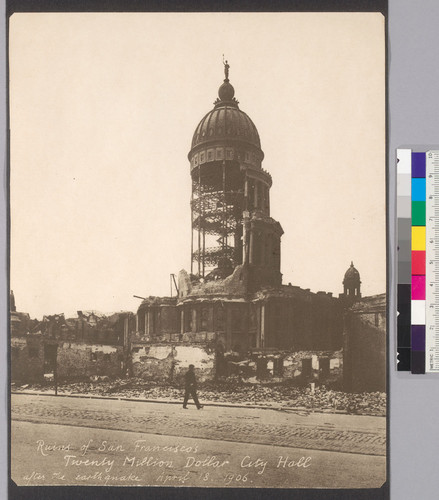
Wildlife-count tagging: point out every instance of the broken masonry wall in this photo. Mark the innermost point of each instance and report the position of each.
(169, 362)
(55, 326)
(234, 285)
(156, 317)
(300, 367)
(199, 337)
(325, 367)
(202, 357)
(152, 362)
(100, 332)
(21, 323)
(78, 360)
(88, 328)
(365, 346)
(27, 359)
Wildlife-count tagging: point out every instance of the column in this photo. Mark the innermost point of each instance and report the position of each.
(262, 326)
(194, 319)
(150, 322)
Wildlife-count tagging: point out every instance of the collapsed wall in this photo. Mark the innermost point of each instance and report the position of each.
(35, 356)
(93, 344)
(297, 367)
(164, 362)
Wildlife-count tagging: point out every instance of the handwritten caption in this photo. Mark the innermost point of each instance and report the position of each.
(141, 463)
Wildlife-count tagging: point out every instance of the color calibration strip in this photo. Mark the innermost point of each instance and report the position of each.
(418, 261)
(404, 270)
(418, 264)
(432, 263)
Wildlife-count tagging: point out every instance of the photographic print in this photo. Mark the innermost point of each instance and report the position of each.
(198, 250)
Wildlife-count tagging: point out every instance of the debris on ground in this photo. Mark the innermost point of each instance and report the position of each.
(280, 396)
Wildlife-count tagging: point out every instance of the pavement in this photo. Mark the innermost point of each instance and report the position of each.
(169, 400)
(317, 431)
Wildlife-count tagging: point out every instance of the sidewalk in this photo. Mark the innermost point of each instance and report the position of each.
(280, 397)
(267, 406)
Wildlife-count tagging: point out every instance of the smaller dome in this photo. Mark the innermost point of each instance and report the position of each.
(352, 273)
(226, 92)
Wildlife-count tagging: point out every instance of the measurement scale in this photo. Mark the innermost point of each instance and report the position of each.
(432, 263)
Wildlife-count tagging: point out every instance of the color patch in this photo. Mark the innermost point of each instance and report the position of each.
(418, 287)
(404, 273)
(418, 337)
(418, 262)
(404, 251)
(418, 189)
(418, 362)
(404, 164)
(418, 213)
(418, 165)
(418, 312)
(404, 317)
(404, 207)
(418, 238)
(404, 185)
(404, 357)
(404, 231)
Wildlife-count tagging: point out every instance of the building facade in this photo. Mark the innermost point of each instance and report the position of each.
(232, 309)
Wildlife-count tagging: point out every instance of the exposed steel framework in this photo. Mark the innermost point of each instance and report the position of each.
(217, 206)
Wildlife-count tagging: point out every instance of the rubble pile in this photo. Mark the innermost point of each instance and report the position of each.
(231, 391)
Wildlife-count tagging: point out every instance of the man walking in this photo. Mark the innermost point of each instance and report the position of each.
(190, 386)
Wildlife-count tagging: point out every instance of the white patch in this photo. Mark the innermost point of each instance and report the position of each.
(334, 363)
(189, 355)
(137, 355)
(160, 351)
(106, 349)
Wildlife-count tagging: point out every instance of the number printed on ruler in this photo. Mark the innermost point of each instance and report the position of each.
(432, 263)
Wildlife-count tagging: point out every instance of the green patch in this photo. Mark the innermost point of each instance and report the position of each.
(418, 213)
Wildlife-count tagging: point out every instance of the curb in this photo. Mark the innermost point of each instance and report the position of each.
(143, 400)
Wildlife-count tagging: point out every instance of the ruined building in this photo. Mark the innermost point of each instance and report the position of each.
(75, 348)
(232, 314)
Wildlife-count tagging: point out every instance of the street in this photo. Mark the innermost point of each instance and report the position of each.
(65, 440)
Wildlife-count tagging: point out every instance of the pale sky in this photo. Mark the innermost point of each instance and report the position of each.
(103, 108)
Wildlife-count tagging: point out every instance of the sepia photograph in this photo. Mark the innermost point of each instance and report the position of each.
(198, 250)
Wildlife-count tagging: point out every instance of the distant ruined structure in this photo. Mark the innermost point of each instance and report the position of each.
(231, 314)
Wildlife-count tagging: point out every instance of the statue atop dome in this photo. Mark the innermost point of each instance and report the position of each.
(226, 69)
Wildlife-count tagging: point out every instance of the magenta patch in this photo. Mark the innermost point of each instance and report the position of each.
(418, 287)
